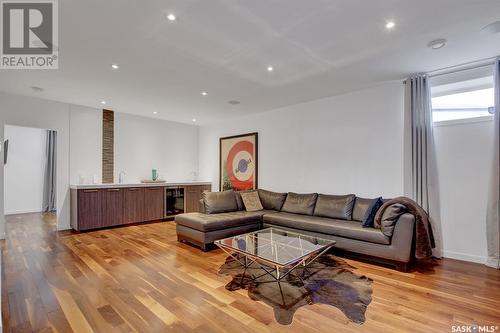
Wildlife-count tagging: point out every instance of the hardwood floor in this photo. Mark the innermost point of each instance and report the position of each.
(140, 279)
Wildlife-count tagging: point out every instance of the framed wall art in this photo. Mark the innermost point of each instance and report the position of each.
(238, 162)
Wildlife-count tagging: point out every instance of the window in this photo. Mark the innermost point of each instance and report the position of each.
(463, 100)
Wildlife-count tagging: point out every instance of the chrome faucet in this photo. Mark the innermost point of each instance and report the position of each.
(121, 177)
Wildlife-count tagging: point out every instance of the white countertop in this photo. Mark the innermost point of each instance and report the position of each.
(116, 185)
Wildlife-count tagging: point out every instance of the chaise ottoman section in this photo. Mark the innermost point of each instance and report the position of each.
(203, 229)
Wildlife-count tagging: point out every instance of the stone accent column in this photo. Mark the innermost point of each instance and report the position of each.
(108, 138)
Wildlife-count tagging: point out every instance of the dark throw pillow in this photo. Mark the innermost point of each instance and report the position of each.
(371, 211)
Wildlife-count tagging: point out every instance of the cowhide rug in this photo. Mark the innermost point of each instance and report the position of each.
(328, 280)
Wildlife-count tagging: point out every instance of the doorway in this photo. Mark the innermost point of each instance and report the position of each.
(29, 170)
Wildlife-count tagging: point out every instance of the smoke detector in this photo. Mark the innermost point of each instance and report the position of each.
(437, 44)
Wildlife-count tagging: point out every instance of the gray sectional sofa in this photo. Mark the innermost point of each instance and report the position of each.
(328, 216)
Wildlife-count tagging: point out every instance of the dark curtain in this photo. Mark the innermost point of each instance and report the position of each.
(49, 184)
(421, 177)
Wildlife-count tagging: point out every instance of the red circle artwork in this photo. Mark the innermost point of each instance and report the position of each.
(238, 163)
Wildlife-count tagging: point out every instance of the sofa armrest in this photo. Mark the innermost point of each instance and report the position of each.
(402, 238)
(201, 206)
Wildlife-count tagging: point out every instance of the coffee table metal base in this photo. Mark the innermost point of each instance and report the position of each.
(274, 270)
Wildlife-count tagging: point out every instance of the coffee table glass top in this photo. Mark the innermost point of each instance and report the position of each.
(275, 246)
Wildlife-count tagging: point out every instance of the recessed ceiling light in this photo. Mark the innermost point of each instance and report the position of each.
(493, 28)
(103, 102)
(171, 17)
(437, 44)
(204, 93)
(115, 66)
(155, 112)
(390, 25)
(270, 68)
(233, 102)
(193, 120)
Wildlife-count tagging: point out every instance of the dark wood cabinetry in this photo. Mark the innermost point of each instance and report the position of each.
(111, 207)
(193, 197)
(89, 209)
(106, 207)
(133, 205)
(154, 203)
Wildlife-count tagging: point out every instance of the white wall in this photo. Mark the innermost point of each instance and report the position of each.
(464, 161)
(24, 172)
(350, 143)
(33, 112)
(142, 144)
(85, 144)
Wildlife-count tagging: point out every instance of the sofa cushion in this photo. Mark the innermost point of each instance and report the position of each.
(239, 201)
(272, 200)
(220, 202)
(300, 203)
(360, 207)
(251, 201)
(205, 222)
(342, 228)
(335, 206)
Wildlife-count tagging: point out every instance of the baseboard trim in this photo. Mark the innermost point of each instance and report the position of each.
(26, 211)
(464, 257)
(63, 227)
(493, 263)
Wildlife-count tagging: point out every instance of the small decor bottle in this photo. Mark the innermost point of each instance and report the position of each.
(154, 174)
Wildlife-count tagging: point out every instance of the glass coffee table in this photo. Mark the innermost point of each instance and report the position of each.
(277, 252)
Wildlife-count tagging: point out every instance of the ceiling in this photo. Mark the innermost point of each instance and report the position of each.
(318, 48)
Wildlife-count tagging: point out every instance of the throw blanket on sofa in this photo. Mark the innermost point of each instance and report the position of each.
(390, 212)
